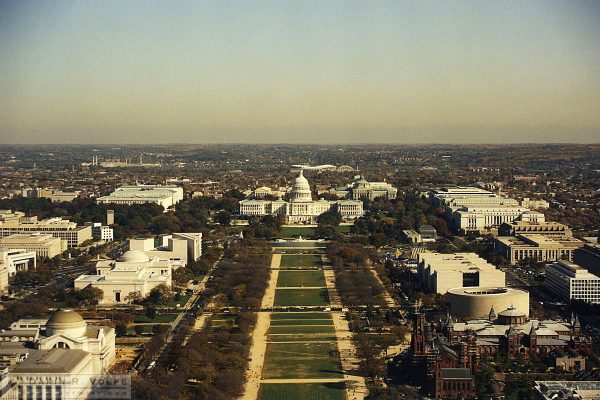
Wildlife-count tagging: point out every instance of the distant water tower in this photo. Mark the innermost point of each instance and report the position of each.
(110, 217)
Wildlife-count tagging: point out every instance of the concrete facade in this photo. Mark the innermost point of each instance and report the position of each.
(571, 282)
(471, 303)
(441, 272)
(44, 245)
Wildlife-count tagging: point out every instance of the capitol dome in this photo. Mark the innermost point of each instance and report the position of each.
(301, 189)
(134, 256)
(66, 321)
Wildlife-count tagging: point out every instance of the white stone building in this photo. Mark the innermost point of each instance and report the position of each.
(44, 245)
(134, 272)
(301, 208)
(441, 272)
(17, 260)
(64, 346)
(13, 223)
(165, 196)
(572, 282)
(179, 248)
(365, 190)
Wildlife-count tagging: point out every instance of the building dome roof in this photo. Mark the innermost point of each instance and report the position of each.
(134, 256)
(301, 189)
(301, 181)
(66, 321)
(64, 317)
(511, 312)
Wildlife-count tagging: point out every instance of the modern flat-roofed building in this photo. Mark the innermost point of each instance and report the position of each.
(134, 272)
(580, 390)
(165, 196)
(545, 228)
(102, 232)
(44, 245)
(441, 272)
(446, 196)
(179, 248)
(588, 256)
(3, 279)
(572, 282)
(17, 260)
(536, 247)
(428, 233)
(57, 227)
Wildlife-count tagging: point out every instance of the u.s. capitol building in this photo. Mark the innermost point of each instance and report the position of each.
(301, 208)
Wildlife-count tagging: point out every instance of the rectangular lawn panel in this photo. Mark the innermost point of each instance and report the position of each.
(301, 297)
(159, 318)
(300, 315)
(301, 278)
(302, 338)
(297, 322)
(302, 360)
(302, 391)
(302, 329)
(300, 261)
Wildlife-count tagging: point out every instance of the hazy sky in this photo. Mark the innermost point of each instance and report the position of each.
(299, 71)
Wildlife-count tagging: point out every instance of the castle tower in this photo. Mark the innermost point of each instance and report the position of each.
(532, 340)
(418, 334)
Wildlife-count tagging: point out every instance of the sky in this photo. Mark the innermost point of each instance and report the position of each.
(317, 72)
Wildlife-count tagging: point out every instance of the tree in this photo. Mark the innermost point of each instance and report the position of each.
(223, 218)
(151, 313)
(121, 330)
(161, 294)
(139, 329)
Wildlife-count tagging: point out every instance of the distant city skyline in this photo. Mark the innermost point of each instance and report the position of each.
(332, 72)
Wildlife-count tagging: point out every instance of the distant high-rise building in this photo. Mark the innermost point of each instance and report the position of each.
(110, 217)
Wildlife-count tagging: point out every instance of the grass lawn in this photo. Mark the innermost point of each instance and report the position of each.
(302, 329)
(302, 360)
(300, 322)
(300, 278)
(301, 297)
(302, 391)
(301, 338)
(160, 318)
(288, 231)
(300, 261)
(345, 228)
(300, 315)
(182, 300)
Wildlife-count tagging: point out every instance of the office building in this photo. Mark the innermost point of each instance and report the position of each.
(539, 248)
(133, 274)
(17, 260)
(441, 272)
(588, 256)
(470, 209)
(102, 232)
(569, 281)
(542, 228)
(165, 196)
(57, 227)
(44, 245)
